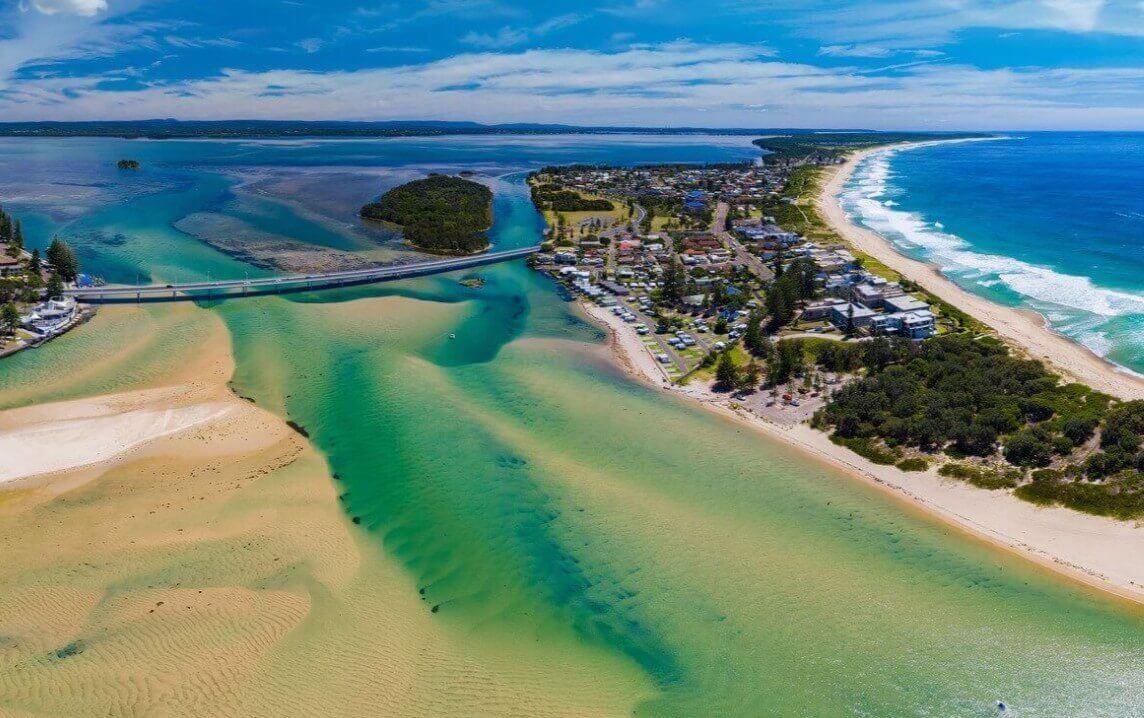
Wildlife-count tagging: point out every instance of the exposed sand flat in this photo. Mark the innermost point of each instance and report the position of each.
(91, 432)
(1098, 551)
(209, 570)
(1025, 329)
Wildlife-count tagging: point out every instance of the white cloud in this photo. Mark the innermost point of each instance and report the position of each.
(86, 8)
(311, 44)
(505, 37)
(855, 51)
(1076, 15)
(673, 84)
(904, 24)
(509, 36)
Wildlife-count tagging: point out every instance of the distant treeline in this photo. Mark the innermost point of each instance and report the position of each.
(549, 196)
(173, 129)
(824, 146)
(441, 214)
(557, 170)
(963, 397)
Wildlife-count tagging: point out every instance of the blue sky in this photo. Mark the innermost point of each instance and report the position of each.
(926, 64)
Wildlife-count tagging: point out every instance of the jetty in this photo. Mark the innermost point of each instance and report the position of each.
(236, 288)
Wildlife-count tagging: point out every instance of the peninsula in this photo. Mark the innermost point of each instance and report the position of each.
(745, 288)
(439, 214)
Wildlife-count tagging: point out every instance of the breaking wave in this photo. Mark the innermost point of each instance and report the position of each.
(1100, 318)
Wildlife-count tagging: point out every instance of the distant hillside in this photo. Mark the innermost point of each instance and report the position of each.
(176, 129)
(440, 214)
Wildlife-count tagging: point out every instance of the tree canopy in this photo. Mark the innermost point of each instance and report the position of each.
(442, 214)
(63, 260)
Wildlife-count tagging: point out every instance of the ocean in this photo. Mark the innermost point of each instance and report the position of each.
(1051, 222)
(550, 510)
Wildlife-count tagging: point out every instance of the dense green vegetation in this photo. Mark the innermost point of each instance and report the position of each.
(792, 286)
(441, 214)
(972, 399)
(828, 146)
(127, 164)
(11, 233)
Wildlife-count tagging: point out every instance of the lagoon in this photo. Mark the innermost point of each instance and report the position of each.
(539, 502)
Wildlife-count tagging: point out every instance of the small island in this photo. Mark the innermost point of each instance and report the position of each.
(127, 164)
(438, 214)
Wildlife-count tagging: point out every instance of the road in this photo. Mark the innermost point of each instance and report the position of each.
(752, 262)
(235, 288)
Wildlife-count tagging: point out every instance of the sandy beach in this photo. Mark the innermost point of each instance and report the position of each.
(1023, 329)
(1100, 552)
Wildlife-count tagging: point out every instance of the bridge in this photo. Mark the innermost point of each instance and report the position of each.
(233, 288)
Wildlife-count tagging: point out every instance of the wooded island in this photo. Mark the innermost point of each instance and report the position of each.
(439, 214)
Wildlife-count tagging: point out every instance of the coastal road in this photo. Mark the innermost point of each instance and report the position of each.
(752, 262)
(235, 288)
(632, 224)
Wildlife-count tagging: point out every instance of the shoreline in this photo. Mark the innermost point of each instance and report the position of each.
(1094, 551)
(1024, 329)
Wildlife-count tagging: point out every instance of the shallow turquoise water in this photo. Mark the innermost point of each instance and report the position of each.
(536, 495)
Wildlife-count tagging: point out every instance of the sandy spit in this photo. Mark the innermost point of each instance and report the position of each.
(1100, 552)
(174, 550)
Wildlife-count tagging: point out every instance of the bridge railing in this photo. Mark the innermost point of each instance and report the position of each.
(225, 288)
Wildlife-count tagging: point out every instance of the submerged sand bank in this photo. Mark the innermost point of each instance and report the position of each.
(184, 552)
(1024, 329)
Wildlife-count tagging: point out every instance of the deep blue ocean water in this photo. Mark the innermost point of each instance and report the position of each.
(1049, 221)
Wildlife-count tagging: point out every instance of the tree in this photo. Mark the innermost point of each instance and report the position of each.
(1028, 447)
(9, 318)
(726, 372)
(789, 360)
(673, 281)
(63, 259)
(750, 376)
(35, 266)
(720, 325)
(17, 235)
(55, 286)
(780, 257)
(781, 302)
(753, 335)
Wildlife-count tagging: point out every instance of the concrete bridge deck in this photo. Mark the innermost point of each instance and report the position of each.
(234, 288)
